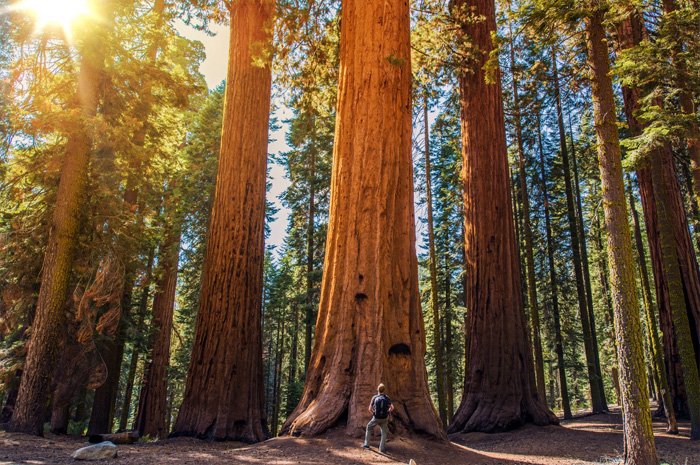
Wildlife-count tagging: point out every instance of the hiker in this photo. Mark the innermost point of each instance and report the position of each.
(380, 406)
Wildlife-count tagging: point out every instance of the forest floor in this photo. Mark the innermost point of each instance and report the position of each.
(587, 440)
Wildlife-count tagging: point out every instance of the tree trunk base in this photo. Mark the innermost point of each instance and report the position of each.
(494, 416)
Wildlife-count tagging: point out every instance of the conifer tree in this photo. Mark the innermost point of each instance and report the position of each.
(369, 328)
(639, 436)
(48, 324)
(227, 341)
(491, 402)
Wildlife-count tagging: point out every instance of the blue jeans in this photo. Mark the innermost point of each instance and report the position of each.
(383, 426)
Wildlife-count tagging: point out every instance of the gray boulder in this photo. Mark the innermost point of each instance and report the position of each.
(101, 451)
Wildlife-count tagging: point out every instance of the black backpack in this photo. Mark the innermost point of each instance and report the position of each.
(381, 407)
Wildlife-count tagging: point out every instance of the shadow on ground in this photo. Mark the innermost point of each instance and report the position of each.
(593, 439)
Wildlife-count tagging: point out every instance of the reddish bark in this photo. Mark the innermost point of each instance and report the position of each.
(370, 326)
(630, 34)
(496, 327)
(153, 400)
(224, 393)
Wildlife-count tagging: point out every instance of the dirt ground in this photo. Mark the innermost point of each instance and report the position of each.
(587, 440)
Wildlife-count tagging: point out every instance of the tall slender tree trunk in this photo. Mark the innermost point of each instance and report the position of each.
(310, 251)
(135, 354)
(492, 400)
(153, 399)
(584, 262)
(554, 288)
(432, 260)
(595, 380)
(370, 324)
(639, 435)
(515, 195)
(675, 293)
(48, 327)
(449, 376)
(293, 364)
(527, 227)
(277, 376)
(224, 392)
(650, 318)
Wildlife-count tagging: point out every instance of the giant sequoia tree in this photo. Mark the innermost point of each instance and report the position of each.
(370, 326)
(224, 394)
(496, 326)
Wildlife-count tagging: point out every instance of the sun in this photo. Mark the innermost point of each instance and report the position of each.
(63, 13)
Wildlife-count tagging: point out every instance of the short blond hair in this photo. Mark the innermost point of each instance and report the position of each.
(381, 388)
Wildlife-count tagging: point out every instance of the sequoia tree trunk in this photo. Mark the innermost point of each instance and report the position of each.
(370, 325)
(676, 296)
(224, 393)
(48, 327)
(153, 399)
(693, 146)
(499, 387)
(639, 435)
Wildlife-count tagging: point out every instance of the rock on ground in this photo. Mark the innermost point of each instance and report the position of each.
(101, 451)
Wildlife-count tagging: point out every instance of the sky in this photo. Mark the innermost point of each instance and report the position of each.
(214, 70)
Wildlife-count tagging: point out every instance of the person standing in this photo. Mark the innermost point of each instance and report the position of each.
(380, 406)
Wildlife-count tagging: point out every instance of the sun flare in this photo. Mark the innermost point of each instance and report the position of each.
(63, 13)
